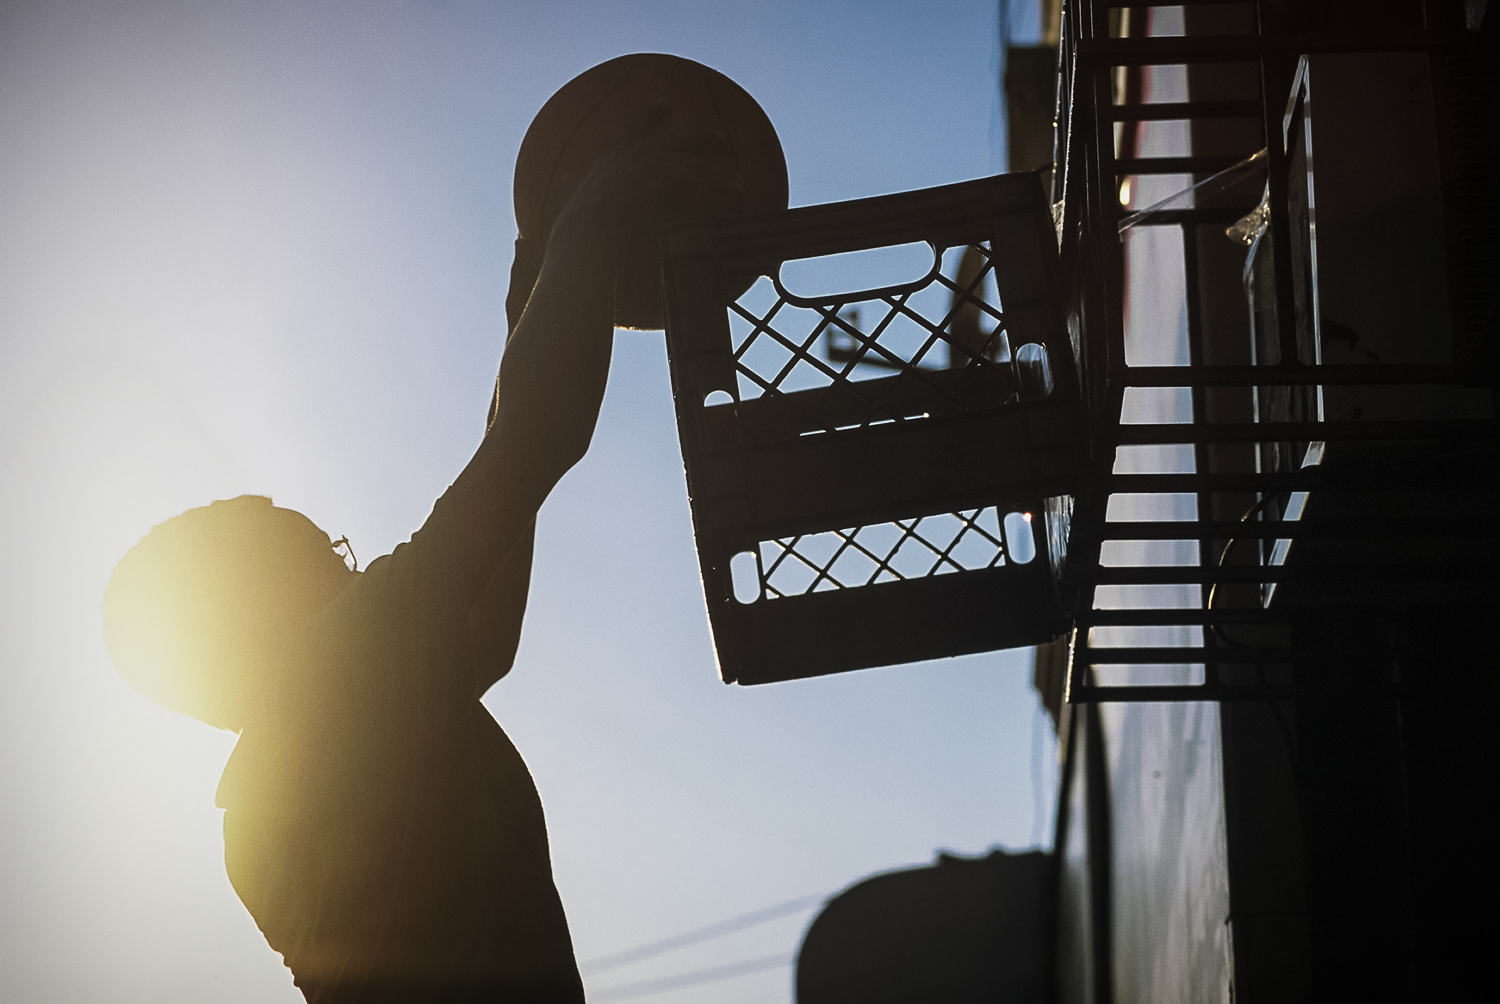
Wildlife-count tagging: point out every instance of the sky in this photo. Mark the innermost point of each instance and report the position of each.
(263, 247)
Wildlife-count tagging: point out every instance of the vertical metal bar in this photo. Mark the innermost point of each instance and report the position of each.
(1082, 227)
(1061, 102)
(1109, 281)
(1195, 351)
(1111, 253)
(1280, 222)
(1273, 108)
(1103, 290)
(1201, 461)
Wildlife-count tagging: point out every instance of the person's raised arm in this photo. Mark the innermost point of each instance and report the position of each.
(555, 365)
(550, 389)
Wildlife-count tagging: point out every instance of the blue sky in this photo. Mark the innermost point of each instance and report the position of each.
(261, 247)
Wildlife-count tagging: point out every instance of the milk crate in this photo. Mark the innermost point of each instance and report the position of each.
(869, 469)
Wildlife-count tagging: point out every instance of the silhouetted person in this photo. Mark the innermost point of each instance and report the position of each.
(379, 825)
(963, 931)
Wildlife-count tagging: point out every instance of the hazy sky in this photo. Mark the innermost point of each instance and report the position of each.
(261, 247)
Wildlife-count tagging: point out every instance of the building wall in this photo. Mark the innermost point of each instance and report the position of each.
(1279, 851)
(1170, 876)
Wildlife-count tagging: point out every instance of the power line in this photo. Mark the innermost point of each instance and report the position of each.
(643, 988)
(707, 933)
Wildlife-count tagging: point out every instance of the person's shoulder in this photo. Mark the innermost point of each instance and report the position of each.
(437, 538)
(430, 561)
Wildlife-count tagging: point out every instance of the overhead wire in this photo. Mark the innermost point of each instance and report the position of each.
(646, 988)
(699, 935)
(696, 977)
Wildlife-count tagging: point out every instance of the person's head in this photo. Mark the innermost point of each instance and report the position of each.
(194, 611)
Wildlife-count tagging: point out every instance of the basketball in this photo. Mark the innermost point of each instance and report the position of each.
(587, 117)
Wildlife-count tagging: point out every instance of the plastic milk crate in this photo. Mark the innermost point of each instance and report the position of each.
(868, 469)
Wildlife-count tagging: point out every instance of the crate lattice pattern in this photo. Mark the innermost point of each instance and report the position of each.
(882, 552)
(944, 342)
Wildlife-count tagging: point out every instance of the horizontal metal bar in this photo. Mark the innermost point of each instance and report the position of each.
(1094, 694)
(1171, 165)
(1324, 615)
(1394, 574)
(1147, 484)
(1179, 617)
(1162, 655)
(1307, 478)
(1382, 374)
(1309, 529)
(1187, 49)
(1213, 690)
(1177, 217)
(1178, 3)
(1132, 434)
(1169, 111)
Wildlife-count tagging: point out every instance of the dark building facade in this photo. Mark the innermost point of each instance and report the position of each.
(1282, 228)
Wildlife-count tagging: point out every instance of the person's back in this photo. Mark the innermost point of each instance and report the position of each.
(376, 759)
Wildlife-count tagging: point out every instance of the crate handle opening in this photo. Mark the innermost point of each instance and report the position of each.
(744, 576)
(1019, 544)
(858, 275)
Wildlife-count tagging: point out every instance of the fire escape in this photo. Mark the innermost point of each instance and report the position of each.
(1321, 539)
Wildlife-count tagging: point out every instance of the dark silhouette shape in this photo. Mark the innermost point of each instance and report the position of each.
(379, 826)
(583, 120)
(961, 930)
